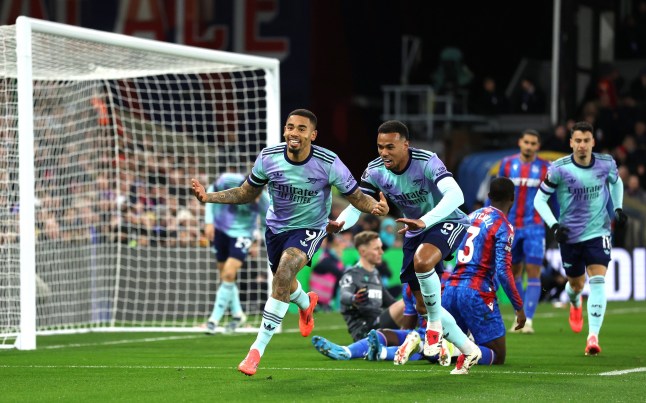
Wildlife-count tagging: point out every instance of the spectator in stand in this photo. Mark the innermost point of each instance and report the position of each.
(641, 174)
(640, 134)
(634, 189)
(452, 74)
(531, 99)
(609, 84)
(388, 233)
(490, 101)
(628, 154)
(558, 141)
(624, 173)
(638, 88)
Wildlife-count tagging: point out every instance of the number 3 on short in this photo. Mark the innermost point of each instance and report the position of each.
(466, 254)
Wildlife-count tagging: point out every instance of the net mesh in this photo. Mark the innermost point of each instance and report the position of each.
(118, 133)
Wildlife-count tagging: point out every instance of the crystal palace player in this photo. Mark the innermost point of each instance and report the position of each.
(583, 183)
(527, 171)
(418, 183)
(483, 258)
(299, 177)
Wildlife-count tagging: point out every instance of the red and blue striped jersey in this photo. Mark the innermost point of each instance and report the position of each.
(484, 256)
(527, 177)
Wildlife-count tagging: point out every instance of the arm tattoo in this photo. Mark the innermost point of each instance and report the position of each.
(240, 195)
(361, 201)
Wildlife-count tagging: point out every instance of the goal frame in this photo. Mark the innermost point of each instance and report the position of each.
(25, 26)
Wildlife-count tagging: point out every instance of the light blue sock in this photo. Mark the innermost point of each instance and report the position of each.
(430, 287)
(532, 295)
(574, 296)
(222, 298)
(452, 331)
(236, 307)
(359, 348)
(272, 317)
(596, 304)
(300, 297)
(488, 356)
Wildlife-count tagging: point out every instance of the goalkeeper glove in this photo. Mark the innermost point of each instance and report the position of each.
(620, 218)
(360, 297)
(560, 233)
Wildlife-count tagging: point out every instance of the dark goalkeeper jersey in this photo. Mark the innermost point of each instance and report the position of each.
(361, 318)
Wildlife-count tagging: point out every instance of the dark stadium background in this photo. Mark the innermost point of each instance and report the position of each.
(338, 53)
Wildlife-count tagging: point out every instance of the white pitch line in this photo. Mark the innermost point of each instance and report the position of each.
(482, 371)
(623, 371)
(266, 369)
(115, 342)
(152, 339)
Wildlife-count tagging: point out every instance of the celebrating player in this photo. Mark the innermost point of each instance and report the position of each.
(230, 229)
(583, 182)
(419, 184)
(299, 176)
(527, 171)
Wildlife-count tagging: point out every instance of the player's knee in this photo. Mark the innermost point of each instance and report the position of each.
(577, 286)
(426, 258)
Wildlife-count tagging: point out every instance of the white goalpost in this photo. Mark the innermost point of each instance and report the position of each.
(100, 134)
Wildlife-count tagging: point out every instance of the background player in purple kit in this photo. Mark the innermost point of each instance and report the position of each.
(230, 228)
(484, 256)
(299, 177)
(526, 170)
(584, 183)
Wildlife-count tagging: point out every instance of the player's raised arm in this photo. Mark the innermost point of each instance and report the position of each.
(452, 199)
(242, 194)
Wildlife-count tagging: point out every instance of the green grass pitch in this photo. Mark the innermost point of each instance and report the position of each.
(547, 366)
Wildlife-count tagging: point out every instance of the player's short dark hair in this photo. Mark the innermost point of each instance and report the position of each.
(531, 132)
(501, 189)
(394, 126)
(582, 127)
(364, 237)
(306, 114)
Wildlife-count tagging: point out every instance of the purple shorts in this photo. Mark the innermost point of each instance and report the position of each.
(577, 256)
(446, 236)
(307, 240)
(226, 247)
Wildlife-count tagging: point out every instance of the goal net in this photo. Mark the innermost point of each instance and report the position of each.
(100, 134)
